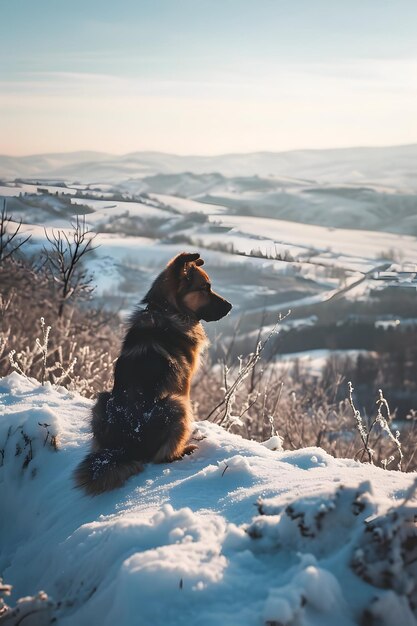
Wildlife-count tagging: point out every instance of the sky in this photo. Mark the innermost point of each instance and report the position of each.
(206, 76)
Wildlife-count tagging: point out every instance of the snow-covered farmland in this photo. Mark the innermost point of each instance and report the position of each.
(272, 241)
(307, 250)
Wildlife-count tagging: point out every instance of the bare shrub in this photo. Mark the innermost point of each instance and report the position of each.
(385, 556)
(81, 349)
(305, 410)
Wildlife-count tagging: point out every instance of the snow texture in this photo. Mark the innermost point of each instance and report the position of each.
(238, 533)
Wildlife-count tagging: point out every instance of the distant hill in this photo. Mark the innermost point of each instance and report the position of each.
(394, 167)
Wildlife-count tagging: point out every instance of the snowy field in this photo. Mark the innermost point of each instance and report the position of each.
(238, 534)
(285, 261)
(329, 235)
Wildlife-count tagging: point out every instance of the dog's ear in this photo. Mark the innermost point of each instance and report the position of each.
(181, 263)
(173, 278)
(183, 258)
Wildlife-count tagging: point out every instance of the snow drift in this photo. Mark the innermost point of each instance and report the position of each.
(238, 533)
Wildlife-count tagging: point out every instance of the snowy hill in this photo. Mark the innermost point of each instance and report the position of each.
(236, 534)
(360, 188)
(326, 274)
(386, 165)
(287, 264)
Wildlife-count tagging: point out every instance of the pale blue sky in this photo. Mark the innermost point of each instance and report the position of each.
(206, 76)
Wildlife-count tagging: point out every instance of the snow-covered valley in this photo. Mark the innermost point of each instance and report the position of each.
(335, 243)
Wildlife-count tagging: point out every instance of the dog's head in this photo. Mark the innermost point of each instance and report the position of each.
(186, 287)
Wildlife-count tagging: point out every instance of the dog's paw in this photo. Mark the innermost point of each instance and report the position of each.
(189, 449)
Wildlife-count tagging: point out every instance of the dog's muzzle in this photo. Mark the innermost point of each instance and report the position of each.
(218, 308)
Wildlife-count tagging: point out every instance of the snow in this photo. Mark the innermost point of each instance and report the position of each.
(185, 205)
(341, 241)
(183, 543)
(105, 209)
(314, 361)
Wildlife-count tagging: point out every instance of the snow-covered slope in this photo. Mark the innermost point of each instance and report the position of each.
(184, 543)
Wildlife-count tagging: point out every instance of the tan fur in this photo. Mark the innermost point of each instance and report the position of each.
(175, 448)
(195, 299)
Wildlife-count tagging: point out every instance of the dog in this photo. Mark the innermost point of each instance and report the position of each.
(147, 417)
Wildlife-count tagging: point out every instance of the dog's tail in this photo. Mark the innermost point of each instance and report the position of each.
(105, 470)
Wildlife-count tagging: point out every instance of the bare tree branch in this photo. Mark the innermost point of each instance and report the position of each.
(64, 258)
(10, 243)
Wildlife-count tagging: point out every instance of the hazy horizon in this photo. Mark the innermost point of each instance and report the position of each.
(209, 154)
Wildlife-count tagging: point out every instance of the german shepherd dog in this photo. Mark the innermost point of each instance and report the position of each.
(147, 416)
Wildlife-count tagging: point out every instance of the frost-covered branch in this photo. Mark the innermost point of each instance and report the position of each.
(222, 411)
(383, 421)
(360, 426)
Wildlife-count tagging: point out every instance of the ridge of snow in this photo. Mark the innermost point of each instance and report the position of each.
(183, 543)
